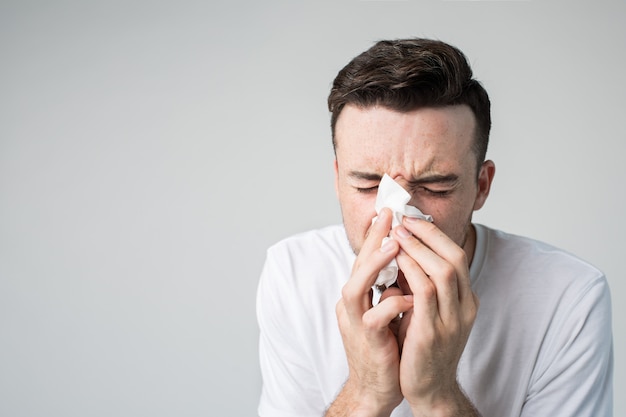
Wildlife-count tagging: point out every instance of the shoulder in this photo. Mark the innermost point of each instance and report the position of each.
(515, 252)
(329, 235)
(546, 316)
(537, 273)
(304, 265)
(325, 245)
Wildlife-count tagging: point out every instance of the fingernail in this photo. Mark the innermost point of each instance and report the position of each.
(402, 232)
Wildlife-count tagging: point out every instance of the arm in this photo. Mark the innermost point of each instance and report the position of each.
(574, 372)
(290, 386)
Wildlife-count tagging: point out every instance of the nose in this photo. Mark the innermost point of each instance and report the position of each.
(399, 178)
(402, 181)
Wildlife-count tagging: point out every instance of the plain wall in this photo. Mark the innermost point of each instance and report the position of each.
(151, 151)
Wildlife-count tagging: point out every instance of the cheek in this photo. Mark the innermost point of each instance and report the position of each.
(452, 218)
(358, 213)
(436, 208)
(358, 205)
(445, 212)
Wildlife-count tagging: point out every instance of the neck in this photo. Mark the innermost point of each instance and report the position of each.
(470, 244)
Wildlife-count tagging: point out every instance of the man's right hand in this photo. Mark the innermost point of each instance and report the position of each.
(373, 385)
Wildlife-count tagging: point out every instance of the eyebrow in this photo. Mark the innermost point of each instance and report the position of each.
(427, 179)
(435, 179)
(368, 176)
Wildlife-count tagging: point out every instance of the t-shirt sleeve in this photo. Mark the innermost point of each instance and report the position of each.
(574, 371)
(290, 387)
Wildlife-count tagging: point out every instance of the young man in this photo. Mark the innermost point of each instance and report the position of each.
(479, 322)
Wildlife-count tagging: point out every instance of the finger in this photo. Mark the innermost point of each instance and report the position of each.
(391, 291)
(425, 302)
(402, 328)
(377, 320)
(371, 259)
(445, 247)
(441, 274)
(395, 322)
(377, 231)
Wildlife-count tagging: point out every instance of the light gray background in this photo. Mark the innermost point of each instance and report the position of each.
(151, 151)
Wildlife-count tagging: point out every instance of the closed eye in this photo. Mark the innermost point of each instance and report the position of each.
(436, 193)
(367, 190)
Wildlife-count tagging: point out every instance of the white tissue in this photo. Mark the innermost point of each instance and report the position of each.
(393, 196)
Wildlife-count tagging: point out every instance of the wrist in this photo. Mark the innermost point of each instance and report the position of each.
(444, 404)
(353, 401)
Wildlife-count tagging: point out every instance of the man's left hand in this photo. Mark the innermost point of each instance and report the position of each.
(433, 335)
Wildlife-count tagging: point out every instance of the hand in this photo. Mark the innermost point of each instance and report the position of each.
(372, 350)
(433, 334)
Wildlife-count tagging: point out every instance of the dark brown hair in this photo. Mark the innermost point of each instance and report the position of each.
(408, 74)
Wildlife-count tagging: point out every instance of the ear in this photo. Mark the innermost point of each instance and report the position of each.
(485, 178)
(336, 178)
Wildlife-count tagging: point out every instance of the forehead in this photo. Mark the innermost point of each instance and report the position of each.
(426, 139)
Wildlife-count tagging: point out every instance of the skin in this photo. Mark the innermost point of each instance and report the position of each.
(429, 152)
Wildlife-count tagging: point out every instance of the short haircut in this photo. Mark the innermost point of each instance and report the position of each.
(407, 74)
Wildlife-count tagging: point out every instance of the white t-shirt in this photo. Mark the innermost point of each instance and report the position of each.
(541, 344)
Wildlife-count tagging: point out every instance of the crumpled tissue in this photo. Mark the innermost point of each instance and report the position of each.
(393, 196)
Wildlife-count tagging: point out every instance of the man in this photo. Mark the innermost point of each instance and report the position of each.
(479, 322)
